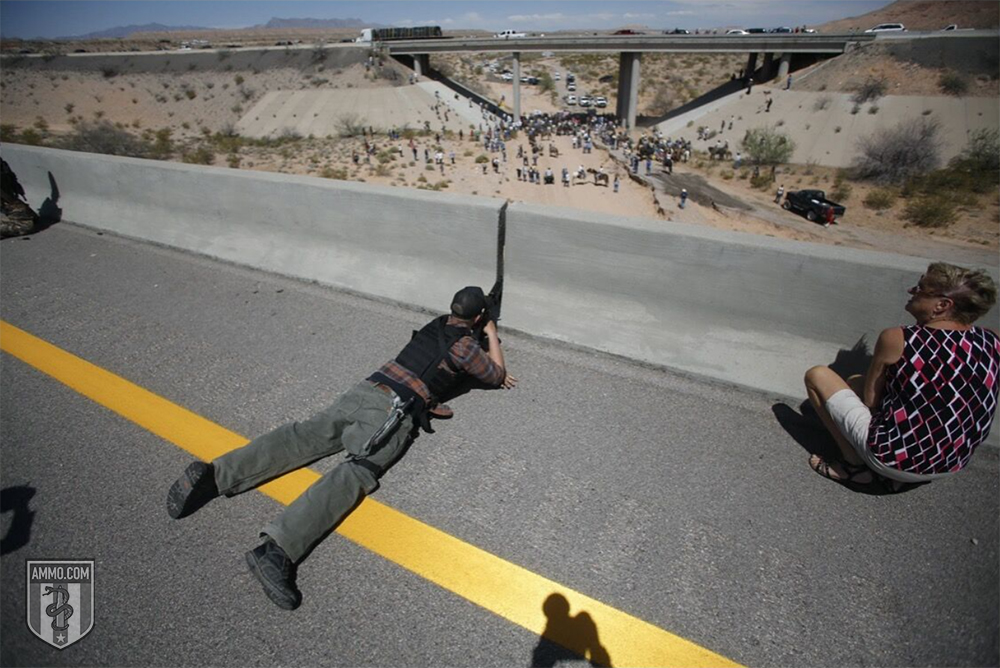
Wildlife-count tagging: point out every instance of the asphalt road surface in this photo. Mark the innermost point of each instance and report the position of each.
(685, 504)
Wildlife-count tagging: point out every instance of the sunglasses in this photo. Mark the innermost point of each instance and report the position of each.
(919, 290)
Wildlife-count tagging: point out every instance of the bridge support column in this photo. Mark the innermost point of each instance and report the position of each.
(517, 87)
(766, 68)
(628, 88)
(422, 64)
(786, 59)
(751, 65)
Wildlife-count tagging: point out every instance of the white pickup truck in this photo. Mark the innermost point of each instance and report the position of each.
(508, 34)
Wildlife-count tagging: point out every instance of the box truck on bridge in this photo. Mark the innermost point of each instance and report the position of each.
(388, 34)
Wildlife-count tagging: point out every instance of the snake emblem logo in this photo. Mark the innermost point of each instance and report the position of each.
(60, 600)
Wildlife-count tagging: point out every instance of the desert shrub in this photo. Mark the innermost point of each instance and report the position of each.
(383, 170)
(931, 211)
(228, 139)
(103, 137)
(983, 150)
(339, 173)
(162, 145)
(109, 72)
(761, 181)
(953, 83)
(199, 156)
(821, 103)
(662, 102)
(872, 89)
(191, 94)
(880, 199)
(481, 158)
(350, 125)
(894, 155)
(841, 191)
(233, 160)
(239, 80)
(873, 109)
(957, 178)
(766, 146)
(8, 132)
(31, 137)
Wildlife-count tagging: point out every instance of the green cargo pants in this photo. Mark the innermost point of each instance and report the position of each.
(345, 425)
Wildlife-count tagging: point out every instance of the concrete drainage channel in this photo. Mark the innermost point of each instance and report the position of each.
(737, 308)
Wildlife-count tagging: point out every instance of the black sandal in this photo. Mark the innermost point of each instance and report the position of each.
(851, 471)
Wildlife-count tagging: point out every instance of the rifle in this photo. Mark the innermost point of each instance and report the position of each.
(494, 300)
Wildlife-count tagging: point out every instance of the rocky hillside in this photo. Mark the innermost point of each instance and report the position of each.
(189, 93)
(924, 15)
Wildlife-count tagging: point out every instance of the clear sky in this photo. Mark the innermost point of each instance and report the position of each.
(56, 18)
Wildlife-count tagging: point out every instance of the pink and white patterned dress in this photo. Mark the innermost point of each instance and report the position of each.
(939, 400)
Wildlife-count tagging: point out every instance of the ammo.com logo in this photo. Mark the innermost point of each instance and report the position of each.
(60, 601)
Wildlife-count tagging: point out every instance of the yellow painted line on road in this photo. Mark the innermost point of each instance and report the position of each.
(499, 586)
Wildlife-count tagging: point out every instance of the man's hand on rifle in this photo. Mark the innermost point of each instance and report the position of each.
(496, 354)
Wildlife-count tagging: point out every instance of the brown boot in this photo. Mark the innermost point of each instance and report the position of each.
(442, 412)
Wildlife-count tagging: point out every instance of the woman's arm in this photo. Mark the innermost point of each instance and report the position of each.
(888, 350)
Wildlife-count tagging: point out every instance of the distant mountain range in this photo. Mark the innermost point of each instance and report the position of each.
(122, 32)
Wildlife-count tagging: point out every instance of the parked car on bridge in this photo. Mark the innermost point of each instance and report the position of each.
(737, 31)
(585, 101)
(600, 101)
(509, 34)
(627, 31)
(571, 99)
(782, 29)
(571, 87)
(677, 31)
(756, 31)
(888, 27)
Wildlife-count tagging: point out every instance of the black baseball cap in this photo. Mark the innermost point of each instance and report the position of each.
(468, 302)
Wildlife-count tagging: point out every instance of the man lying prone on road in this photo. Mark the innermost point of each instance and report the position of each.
(376, 422)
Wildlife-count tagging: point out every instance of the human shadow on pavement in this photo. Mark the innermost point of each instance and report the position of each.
(567, 638)
(15, 500)
(804, 425)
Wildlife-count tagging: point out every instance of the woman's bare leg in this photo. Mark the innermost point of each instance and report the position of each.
(821, 384)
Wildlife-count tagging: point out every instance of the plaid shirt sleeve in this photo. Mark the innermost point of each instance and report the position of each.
(470, 357)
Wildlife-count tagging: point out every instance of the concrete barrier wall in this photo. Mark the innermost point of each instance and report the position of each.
(403, 245)
(741, 308)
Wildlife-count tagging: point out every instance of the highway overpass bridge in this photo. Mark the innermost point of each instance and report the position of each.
(775, 47)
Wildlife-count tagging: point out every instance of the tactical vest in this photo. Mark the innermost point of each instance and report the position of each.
(423, 356)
